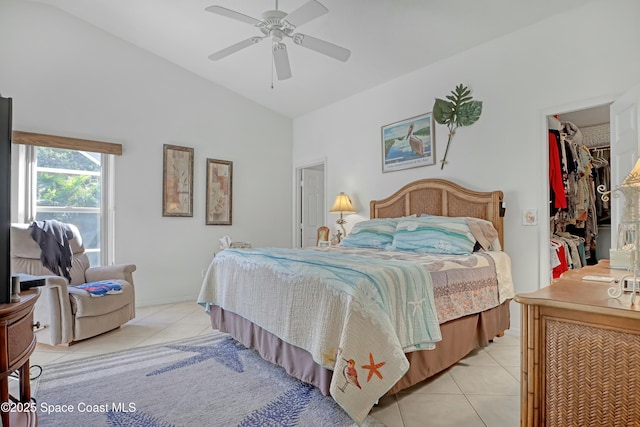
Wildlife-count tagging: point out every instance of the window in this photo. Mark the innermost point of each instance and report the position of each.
(70, 186)
(71, 180)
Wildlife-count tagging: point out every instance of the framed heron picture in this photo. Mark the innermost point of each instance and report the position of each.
(408, 143)
(219, 192)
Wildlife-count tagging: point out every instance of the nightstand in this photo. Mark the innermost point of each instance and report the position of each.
(17, 343)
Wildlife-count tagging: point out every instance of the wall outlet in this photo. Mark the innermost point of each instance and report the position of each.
(529, 216)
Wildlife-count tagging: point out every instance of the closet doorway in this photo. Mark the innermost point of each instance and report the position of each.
(624, 137)
(579, 164)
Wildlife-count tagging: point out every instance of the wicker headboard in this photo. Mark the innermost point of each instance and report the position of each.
(441, 197)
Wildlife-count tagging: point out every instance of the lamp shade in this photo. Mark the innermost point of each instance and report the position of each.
(633, 178)
(342, 204)
(631, 189)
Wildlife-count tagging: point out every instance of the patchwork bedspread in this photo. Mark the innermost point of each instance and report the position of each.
(355, 311)
(463, 284)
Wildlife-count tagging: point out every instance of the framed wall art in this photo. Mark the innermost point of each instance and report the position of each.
(177, 181)
(408, 143)
(219, 192)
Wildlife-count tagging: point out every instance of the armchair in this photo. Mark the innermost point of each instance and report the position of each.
(65, 312)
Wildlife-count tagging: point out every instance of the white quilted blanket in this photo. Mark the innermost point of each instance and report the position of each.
(355, 315)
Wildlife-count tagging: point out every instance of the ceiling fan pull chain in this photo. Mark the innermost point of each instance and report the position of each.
(272, 64)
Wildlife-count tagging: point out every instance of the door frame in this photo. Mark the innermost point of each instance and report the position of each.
(297, 197)
(544, 259)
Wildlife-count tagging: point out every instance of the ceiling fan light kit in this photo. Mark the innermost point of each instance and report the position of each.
(278, 25)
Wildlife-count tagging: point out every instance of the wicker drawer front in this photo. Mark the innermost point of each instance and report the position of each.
(591, 375)
(20, 336)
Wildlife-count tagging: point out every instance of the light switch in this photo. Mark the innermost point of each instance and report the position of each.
(529, 217)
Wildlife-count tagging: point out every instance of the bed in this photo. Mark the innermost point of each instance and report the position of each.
(323, 313)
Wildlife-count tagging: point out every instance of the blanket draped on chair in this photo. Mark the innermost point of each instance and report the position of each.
(53, 238)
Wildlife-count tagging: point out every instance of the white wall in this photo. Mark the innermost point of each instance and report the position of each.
(68, 78)
(571, 60)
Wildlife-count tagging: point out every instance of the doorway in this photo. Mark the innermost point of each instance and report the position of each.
(310, 203)
(624, 121)
(579, 172)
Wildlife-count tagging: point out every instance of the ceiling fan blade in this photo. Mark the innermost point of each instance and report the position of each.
(234, 48)
(219, 10)
(305, 13)
(281, 61)
(322, 46)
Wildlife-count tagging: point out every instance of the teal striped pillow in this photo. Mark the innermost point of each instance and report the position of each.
(373, 233)
(434, 234)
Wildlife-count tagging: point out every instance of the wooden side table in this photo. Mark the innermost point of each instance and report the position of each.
(580, 357)
(17, 342)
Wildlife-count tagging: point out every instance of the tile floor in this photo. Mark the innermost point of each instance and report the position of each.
(152, 325)
(481, 390)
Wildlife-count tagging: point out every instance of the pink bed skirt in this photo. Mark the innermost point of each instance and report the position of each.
(459, 337)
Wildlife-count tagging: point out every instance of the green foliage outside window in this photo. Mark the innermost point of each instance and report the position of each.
(66, 159)
(67, 189)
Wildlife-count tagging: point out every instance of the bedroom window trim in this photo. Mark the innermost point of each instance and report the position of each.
(54, 141)
(27, 180)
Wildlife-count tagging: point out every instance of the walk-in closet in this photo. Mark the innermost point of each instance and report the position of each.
(579, 171)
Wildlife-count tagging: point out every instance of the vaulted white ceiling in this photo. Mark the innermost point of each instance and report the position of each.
(387, 38)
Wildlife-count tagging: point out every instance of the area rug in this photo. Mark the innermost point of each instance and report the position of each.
(209, 380)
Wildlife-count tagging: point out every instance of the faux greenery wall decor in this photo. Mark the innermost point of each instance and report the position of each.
(459, 110)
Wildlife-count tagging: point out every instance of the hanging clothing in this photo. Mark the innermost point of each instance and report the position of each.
(559, 255)
(558, 197)
(573, 173)
(601, 173)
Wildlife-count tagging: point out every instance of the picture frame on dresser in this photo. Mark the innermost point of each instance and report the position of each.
(219, 192)
(177, 181)
(408, 143)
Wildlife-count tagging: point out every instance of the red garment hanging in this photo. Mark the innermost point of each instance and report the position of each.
(557, 271)
(555, 174)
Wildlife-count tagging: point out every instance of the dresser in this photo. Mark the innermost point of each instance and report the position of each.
(17, 343)
(580, 355)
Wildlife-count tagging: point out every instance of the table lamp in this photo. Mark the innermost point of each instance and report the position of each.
(342, 205)
(629, 230)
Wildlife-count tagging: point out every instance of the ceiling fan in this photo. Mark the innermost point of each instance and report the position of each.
(278, 25)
